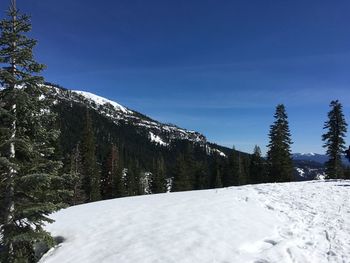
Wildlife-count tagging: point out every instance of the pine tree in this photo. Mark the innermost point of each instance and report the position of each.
(76, 177)
(30, 181)
(91, 178)
(133, 182)
(336, 127)
(280, 166)
(244, 164)
(236, 168)
(120, 181)
(218, 180)
(158, 180)
(181, 179)
(201, 177)
(257, 167)
(110, 178)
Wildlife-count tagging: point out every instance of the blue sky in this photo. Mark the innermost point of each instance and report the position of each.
(218, 67)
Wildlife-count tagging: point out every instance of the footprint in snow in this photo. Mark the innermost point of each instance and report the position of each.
(270, 241)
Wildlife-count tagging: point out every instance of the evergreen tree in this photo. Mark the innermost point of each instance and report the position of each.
(120, 181)
(158, 181)
(244, 164)
(133, 182)
(336, 127)
(236, 168)
(109, 181)
(30, 181)
(280, 166)
(257, 167)
(201, 180)
(181, 178)
(218, 180)
(76, 174)
(91, 178)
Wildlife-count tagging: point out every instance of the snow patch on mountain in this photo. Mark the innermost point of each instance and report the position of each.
(308, 154)
(117, 113)
(220, 152)
(102, 101)
(300, 171)
(211, 150)
(157, 139)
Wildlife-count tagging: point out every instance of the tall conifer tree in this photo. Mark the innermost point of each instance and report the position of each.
(236, 176)
(158, 181)
(110, 179)
(257, 167)
(181, 179)
(30, 181)
(334, 142)
(91, 178)
(76, 177)
(280, 166)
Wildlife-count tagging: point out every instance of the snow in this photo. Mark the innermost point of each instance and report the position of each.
(300, 171)
(309, 154)
(131, 116)
(306, 154)
(210, 150)
(157, 139)
(101, 101)
(290, 222)
(220, 153)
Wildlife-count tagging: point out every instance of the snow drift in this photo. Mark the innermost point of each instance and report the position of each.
(291, 222)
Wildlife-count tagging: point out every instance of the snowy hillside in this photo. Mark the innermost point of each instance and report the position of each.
(117, 113)
(291, 222)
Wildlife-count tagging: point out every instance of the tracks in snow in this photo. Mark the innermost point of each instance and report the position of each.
(317, 227)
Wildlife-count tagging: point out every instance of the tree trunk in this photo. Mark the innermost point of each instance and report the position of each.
(9, 201)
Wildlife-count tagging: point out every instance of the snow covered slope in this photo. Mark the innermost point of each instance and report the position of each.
(118, 113)
(291, 222)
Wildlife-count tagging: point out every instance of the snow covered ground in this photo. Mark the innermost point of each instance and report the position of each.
(291, 222)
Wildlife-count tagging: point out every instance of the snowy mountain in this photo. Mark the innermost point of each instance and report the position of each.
(315, 157)
(158, 132)
(308, 166)
(290, 222)
(144, 139)
(308, 170)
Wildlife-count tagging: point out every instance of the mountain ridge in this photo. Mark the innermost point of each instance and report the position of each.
(159, 133)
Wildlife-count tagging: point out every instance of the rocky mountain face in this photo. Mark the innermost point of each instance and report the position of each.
(141, 141)
(158, 132)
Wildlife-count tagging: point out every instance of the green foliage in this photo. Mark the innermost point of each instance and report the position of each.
(30, 182)
(158, 180)
(110, 177)
(239, 168)
(91, 174)
(182, 175)
(280, 166)
(218, 180)
(334, 142)
(257, 167)
(74, 177)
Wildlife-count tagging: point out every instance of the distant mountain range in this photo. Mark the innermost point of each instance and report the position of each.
(315, 157)
(309, 166)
